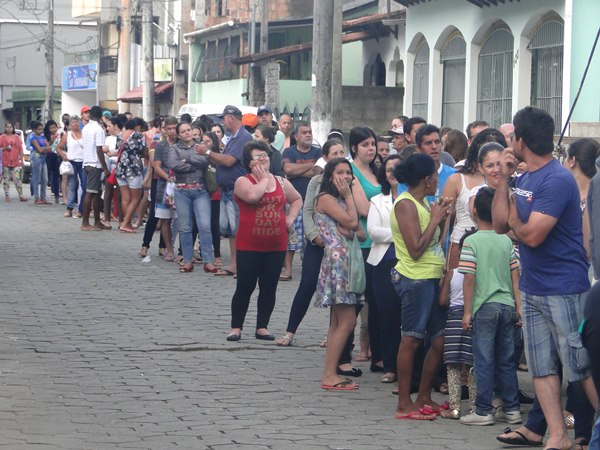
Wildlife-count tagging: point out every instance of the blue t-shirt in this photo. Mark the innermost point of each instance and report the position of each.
(227, 176)
(41, 140)
(293, 155)
(559, 265)
(444, 173)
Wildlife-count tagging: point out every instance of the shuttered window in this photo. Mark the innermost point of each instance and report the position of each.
(495, 78)
(453, 97)
(421, 80)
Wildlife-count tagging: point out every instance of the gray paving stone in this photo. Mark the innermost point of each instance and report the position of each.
(98, 351)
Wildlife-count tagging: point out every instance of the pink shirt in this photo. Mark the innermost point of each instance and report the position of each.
(11, 157)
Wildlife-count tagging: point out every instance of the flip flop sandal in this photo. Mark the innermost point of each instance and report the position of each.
(346, 385)
(415, 415)
(520, 440)
(285, 340)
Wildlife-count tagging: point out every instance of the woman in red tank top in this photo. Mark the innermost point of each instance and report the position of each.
(262, 237)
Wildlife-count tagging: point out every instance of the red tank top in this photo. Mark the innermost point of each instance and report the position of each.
(262, 226)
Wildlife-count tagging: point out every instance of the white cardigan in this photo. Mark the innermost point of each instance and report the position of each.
(378, 227)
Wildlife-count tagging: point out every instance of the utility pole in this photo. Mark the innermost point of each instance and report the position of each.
(321, 69)
(148, 52)
(264, 27)
(336, 66)
(49, 41)
(124, 57)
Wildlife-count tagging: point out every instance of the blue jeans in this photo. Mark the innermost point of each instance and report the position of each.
(78, 175)
(39, 175)
(196, 202)
(493, 357)
(595, 441)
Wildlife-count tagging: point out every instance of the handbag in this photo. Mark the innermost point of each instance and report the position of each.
(357, 281)
(112, 178)
(66, 168)
(169, 198)
(210, 179)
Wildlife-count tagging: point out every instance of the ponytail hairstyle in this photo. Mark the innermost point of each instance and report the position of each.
(585, 151)
(414, 169)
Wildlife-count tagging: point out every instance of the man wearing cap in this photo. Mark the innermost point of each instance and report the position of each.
(265, 117)
(298, 162)
(229, 169)
(85, 116)
(398, 141)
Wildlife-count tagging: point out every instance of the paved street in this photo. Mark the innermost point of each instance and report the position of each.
(100, 351)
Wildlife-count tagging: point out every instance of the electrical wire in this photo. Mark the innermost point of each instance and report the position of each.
(564, 130)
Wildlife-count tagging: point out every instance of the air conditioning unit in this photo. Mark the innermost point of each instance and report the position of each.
(108, 64)
(182, 62)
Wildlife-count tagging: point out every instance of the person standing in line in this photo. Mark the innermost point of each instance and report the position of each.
(313, 251)
(341, 278)
(298, 161)
(262, 238)
(94, 166)
(163, 212)
(12, 161)
(70, 149)
(229, 169)
(39, 172)
(544, 216)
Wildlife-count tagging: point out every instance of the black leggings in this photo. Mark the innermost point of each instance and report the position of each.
(215, 230)
(265, 268)
(152, 220)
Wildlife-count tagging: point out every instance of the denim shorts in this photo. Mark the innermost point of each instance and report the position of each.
(162, 211)
(132, 182)
(421, 313)
(550, 330)
(229, 214)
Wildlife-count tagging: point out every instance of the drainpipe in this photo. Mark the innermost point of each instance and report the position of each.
(567, 62)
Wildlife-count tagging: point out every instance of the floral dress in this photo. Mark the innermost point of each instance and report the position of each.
(130, 162)
(332, 287)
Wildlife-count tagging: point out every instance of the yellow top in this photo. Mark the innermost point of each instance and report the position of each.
(431, 263)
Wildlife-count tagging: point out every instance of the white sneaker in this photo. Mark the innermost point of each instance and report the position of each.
(476, 419)
(512, 417)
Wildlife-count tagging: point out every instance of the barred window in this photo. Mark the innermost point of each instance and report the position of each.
(215, 61)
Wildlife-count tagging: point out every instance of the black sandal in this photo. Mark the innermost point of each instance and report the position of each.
(521, 440)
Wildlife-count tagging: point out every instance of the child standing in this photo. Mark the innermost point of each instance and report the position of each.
(493, 310)
(458, 352)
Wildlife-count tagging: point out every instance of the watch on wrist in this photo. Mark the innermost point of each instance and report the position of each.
(207, 154)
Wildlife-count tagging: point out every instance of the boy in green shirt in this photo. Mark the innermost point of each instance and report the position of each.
(493, 309)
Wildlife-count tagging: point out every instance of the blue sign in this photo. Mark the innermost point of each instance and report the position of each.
(79, 78)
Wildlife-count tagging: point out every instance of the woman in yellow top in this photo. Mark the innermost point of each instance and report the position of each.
(415, 229)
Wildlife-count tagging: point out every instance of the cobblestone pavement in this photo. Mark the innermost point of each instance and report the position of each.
(100, 351)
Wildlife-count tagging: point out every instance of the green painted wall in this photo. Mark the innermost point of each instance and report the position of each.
(225, 92)
(294, 94)
(585, 27)
(352, 65)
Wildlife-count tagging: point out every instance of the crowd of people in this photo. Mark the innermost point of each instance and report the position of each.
(456, 250)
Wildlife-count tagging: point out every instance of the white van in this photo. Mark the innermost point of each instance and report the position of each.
(211, 110)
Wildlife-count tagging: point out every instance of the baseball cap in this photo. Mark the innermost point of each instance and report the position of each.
(396, 130)
(107, 113)
(264, 108)
(85, 109)
(230, 110)
(250, 120)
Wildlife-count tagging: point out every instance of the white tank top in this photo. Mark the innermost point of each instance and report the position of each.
(456, 289)
(74, 147)
(463, 221)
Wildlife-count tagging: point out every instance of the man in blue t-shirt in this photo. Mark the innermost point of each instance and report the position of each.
(298, 162)
(229, 169)
(545, 217)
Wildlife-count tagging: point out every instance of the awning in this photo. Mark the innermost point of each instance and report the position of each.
(479, 3)
(136, 95)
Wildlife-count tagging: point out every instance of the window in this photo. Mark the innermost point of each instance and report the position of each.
(453, 96)
(495, 78)
(421, 80)
(215, 62)
(547, 70)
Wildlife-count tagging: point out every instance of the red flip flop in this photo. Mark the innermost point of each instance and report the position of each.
(415, 415)
(428, 410)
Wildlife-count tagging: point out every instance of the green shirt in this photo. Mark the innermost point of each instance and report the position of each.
(431, 263)
(370, 190)
(491, 258)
